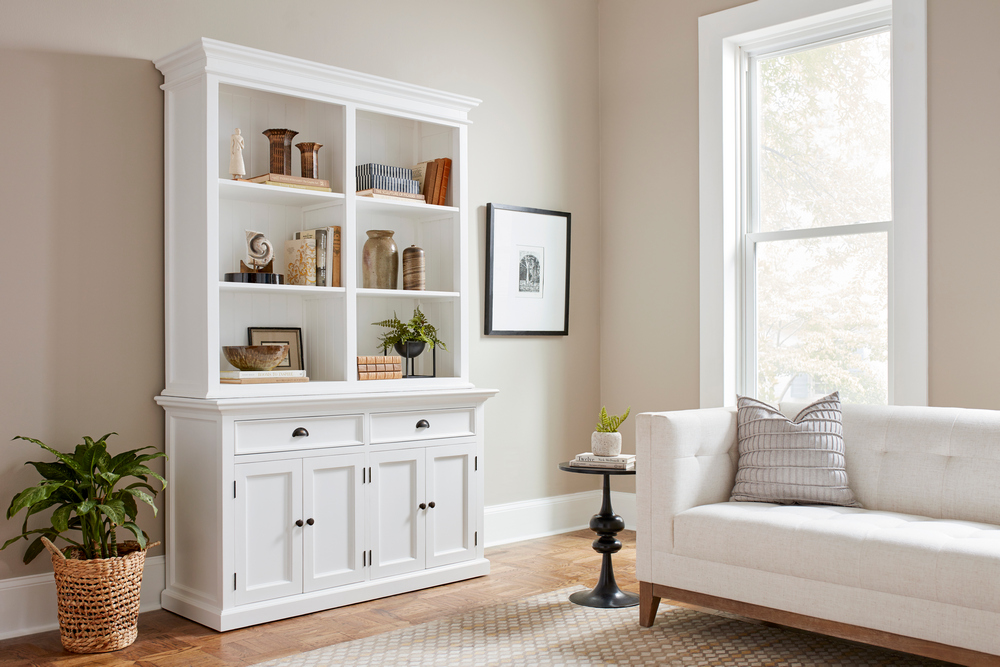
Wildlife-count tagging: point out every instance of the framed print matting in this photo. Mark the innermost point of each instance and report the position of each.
(527, 271)
(292, 336)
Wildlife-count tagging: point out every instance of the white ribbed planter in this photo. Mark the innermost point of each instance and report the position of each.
(606, 444)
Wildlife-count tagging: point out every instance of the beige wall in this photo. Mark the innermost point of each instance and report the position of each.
(81, 205)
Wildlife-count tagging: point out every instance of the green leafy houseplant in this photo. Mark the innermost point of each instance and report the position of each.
(84, 489)
(610, 424)
(416, 329)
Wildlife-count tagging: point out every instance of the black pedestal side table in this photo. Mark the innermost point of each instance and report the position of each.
(607, 525)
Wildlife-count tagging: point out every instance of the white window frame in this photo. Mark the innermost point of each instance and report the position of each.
(724, 38)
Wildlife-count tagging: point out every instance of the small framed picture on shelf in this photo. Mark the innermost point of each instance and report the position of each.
(291, 336)
(527, 271)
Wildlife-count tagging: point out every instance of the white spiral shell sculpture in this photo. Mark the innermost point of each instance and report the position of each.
(259, 249)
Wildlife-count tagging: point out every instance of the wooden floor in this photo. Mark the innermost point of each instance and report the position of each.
(518, 571)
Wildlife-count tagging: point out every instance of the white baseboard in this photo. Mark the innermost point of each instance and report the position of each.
(541, 517)
(28, 604)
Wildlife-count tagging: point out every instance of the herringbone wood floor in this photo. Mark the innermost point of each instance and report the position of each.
(518, 571)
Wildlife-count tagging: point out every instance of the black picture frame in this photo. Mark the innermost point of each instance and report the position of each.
(290, 335)
(537, 242)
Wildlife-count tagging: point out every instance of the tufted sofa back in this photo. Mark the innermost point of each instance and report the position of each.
(943, 463)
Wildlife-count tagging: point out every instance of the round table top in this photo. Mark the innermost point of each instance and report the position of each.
(595, 471)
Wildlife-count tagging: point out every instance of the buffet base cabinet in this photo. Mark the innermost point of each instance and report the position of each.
(282, 507)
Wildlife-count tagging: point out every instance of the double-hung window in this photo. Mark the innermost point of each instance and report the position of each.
(813, 214)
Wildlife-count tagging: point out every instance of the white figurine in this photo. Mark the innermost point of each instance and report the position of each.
(236, 167)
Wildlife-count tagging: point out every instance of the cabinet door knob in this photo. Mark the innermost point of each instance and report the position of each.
(310, 521)
(423, 423)
(431, 504)
(298, 522)
(300, 433)
(422, 506)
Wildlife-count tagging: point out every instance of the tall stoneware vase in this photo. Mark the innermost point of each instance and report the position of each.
(380, 260)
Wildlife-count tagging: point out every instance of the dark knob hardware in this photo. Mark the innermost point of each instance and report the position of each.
(422, 506)
(298, 522)
(310, 521)
(423, 423)
(300, 433)
(431, 504)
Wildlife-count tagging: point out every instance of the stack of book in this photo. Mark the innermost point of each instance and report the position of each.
(261, 377)
(318, 184)
(327, 244)
(383, 181)
(590, 460)
(433, 177)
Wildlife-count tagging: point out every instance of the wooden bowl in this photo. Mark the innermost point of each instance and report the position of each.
(255, 357)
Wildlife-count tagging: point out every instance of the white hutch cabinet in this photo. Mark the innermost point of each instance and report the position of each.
(286, 499)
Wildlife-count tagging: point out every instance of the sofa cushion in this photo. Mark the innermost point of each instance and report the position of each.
(948, 561)
(785, 461)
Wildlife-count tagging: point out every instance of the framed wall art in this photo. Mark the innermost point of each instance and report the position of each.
(291, 336)
(527, 271)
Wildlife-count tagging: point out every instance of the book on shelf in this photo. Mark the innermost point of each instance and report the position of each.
(375, 193)
(367, 182)
(300, 262)
(333, 256)
(419, 171)
(321, 235)
(428, 187)
(630, 465)
(262, 380)
(250, 375)
(292, 180)
(594, 458)
(444, 174)
(296, 186)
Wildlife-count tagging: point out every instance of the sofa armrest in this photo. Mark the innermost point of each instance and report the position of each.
(683, 459)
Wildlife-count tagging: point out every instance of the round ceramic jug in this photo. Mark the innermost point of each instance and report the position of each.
(380, 260)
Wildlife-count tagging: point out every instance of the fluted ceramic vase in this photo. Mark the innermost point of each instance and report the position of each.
(380, 260)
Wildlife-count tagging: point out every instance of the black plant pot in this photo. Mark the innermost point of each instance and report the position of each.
(413, 348)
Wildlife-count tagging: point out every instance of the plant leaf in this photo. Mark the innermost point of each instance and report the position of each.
(86, 507)
(114, 510)
(32, 495)
(65, 458)
(143, 496)
(141, 471)
(140, 537)
(58, 472)
(36, 547)
(60, 518)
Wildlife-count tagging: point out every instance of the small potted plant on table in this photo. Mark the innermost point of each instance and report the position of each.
(606, 440)
(409, 338)
(97, 578)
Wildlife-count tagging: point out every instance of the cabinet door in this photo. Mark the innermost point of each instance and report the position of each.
(333, 497)
(268, 543)
(397, 522)
(451, 525)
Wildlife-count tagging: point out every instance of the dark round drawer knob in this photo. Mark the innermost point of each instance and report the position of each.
(298, 522)
(300, 433)
(422, 506)
(310, 521)
(431, 504)
(423, 423)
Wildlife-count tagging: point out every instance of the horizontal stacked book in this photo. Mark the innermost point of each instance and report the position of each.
(590, 460)
(387, 179)
(281, 180)
(261, 377)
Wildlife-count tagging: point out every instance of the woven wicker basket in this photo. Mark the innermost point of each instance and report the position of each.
(98, 599)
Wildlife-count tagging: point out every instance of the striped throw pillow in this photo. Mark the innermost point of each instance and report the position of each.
(798, 462)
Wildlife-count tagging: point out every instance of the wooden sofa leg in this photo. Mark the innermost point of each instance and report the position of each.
(648, 603)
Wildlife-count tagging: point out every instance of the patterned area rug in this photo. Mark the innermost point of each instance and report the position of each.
(550, 630)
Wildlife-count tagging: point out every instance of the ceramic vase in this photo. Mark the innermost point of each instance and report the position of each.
(310, 158)
(414, 274)
(380, 260)
(605, 444)
(281, 150)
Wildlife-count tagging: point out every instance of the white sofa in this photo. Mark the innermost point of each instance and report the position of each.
(917, 569)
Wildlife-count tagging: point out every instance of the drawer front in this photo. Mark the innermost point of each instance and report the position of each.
(271, 435)
(423, 425)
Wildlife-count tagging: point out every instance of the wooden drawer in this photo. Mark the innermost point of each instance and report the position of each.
(270, 435)
(423, 425)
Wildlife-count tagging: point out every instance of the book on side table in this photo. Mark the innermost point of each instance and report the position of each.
(591, 460)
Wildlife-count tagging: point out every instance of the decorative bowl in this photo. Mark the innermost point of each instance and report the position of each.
(255, 357)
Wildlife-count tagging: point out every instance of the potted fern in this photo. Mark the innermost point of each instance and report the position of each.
(606, 440)
(408, 338)
(97, 578)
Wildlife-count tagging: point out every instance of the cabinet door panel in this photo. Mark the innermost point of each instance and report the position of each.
(397, 523)
(268, 543)
(334, 498)
(451, 487)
